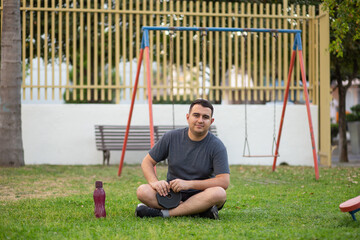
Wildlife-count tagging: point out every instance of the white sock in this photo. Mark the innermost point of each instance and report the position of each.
(165, 213)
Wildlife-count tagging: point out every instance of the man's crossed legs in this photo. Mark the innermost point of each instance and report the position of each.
(205, 203)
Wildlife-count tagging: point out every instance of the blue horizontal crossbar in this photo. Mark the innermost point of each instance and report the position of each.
(145, 29)
(214, 29)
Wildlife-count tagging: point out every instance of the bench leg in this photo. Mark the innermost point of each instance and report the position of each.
(106, 156)
(352, 213)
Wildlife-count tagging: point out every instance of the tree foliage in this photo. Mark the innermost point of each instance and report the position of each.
(345, 24)
(345, 49)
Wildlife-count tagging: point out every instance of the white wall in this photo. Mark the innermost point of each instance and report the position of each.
(64, 133)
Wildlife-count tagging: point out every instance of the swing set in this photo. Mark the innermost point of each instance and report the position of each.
(297, 47)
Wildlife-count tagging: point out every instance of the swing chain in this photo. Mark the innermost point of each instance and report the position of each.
(275, 35)
(244, 81)
(203, 35)
(171, 33)
(246, 143)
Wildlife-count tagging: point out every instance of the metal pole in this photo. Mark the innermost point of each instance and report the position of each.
(145, 44)
(303, 76)
(284, 108)
(148, 77)
(131, 111)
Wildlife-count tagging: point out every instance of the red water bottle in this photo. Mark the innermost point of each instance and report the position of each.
(99, 199)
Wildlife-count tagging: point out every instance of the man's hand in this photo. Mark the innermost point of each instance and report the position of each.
(178, 185)
(162, 187)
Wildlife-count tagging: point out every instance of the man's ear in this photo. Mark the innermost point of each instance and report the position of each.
(212, 120)
(187, 116)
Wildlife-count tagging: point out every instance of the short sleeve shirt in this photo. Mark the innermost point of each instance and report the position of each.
(191, 160)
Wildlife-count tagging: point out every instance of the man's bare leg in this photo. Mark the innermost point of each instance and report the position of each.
(200, 202)
(147, 195)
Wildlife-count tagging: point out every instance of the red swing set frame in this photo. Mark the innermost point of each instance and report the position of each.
(296, 47)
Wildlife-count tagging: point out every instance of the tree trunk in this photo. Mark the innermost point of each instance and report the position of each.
(11, 147)
(342, 126)
(343, 157)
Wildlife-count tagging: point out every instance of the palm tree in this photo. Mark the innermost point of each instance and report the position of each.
(11, 146)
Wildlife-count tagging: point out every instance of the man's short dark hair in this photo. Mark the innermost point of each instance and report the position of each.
(203, 103)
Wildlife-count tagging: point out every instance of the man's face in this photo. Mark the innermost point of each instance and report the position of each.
(199, 120)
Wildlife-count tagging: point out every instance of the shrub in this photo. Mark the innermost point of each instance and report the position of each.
(334, 130)
(354, 115)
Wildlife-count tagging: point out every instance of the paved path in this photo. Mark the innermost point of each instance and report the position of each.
(354, 159)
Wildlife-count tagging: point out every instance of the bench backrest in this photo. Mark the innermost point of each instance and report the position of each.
(111, 137)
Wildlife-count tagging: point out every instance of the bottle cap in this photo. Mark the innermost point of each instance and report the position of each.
(98, 184)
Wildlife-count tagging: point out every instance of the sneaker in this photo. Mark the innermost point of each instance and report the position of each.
(211, 213)
(144, 211)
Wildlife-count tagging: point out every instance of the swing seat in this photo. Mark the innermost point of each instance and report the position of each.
(351, 206)
(259, 156)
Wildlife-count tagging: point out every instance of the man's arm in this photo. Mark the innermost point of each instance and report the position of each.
(221, 180)
(147, 166)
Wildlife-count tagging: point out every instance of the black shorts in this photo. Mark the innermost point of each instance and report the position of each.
(186, 195)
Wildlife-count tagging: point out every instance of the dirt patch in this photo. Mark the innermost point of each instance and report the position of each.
(30, 188)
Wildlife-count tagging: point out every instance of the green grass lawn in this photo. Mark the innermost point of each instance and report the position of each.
(55, 202)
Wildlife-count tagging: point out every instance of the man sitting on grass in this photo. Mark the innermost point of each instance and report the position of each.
(197, 167)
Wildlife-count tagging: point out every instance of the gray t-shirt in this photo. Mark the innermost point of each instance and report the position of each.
(191, 160)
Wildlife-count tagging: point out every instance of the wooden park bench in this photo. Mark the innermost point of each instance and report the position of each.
(111, 137)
